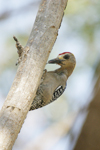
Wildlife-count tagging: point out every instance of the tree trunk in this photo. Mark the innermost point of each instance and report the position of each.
(89, 138)
(30, 70)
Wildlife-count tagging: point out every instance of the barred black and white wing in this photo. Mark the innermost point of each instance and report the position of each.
(57, 93)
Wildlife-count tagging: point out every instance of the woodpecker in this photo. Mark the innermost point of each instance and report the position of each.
(53, 83)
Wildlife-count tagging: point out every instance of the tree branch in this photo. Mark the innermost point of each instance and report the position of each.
(33, 60)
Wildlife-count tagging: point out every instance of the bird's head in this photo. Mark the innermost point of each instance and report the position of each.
(65, 59)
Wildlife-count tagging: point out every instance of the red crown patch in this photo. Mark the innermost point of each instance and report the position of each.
(64, 53)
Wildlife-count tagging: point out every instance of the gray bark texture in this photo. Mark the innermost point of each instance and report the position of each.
(26, 82)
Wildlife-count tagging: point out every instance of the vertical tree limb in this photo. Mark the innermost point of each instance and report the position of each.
(30, 70)
(89, 138)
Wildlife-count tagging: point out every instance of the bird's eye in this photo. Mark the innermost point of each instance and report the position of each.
(66, 57)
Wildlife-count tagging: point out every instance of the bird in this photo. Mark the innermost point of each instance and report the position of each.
(53, 83)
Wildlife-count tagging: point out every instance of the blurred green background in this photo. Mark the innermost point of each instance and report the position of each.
(51, 127)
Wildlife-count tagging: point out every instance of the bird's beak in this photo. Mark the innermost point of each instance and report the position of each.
(55, 61)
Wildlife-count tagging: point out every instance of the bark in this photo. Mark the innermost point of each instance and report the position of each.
(30, 70)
